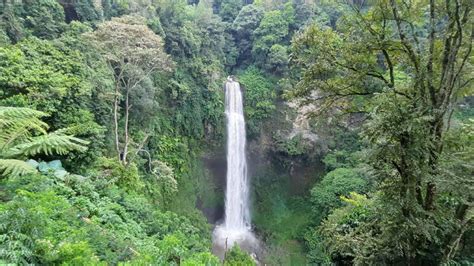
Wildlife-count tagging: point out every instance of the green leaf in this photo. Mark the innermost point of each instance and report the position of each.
(14, 167)
(53, 143)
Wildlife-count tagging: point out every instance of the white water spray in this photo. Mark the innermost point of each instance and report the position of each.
(236, 227)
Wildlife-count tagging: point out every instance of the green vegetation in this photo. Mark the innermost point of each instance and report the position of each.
(235, 256)
(359, 120)
(18, 142)
(259, 98)
(396, 63)
(335, 184)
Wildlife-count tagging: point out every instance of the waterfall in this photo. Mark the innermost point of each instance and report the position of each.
(237, 216)
(236, 227)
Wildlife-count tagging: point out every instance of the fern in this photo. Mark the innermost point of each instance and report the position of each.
(17, 140)
(16, 124)
(53, 143)
(14, 167)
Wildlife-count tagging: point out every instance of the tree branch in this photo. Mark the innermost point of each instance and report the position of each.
(429, 65)
(409, 49)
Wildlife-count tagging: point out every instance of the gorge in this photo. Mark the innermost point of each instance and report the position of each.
(343, 137)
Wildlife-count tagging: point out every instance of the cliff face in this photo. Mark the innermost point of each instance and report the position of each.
(289, 142)
(286, 152)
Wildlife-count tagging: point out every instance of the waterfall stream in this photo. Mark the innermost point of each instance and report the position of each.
(236, 227)
(237, 217)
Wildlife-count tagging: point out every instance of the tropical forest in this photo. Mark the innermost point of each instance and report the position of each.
(237, 132)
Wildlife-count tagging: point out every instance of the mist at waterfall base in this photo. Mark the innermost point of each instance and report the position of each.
(236, 228)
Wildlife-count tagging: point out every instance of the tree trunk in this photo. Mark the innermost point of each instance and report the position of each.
(127, 111)
(437, 133)
(117, 144)
(455, 240)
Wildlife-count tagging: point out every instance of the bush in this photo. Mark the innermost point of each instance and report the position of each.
(325, 196)
(237, 257)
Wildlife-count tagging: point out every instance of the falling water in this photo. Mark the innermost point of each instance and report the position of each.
(236, 227)
(236, 202)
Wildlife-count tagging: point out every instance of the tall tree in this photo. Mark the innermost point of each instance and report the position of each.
(411, 61)
(41, 18)
(133, 52)
(272, 32)
(243, 27)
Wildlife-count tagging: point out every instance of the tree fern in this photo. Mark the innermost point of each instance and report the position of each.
(18, 123)
(13, 167)
(23, 134)
(52, 143)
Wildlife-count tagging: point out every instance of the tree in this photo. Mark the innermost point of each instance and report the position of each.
(195, 38)
(340, 182)
(133, 52)
(41, 18)
(272, 32)
(83, 10)
(23, 134)
(229, 9)
(10, 23)
(344, 227)
(304, 12)
(166, 180)
(64, 78)
(277, 59)
(243, 28)
(410, 66)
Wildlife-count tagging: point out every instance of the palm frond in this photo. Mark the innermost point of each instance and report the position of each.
(14, 167)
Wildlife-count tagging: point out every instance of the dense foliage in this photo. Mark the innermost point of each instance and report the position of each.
(404, 66)
(359, 120)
